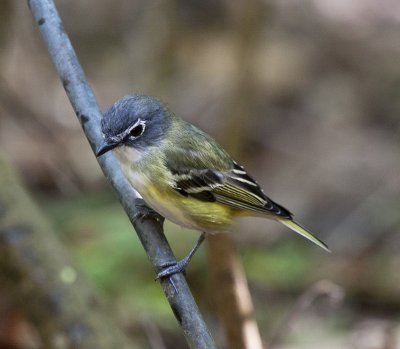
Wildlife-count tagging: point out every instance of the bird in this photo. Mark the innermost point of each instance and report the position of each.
(183, 174)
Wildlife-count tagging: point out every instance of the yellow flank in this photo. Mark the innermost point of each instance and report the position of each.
(156, 185)
(189, 212)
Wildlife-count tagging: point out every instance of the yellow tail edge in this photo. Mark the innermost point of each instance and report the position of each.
(303, 232)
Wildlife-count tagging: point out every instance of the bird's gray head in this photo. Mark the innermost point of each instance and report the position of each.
(135, 121)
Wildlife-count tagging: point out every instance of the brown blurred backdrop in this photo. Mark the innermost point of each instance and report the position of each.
(306, 93)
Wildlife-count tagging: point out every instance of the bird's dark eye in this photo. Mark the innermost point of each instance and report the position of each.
(136, 131)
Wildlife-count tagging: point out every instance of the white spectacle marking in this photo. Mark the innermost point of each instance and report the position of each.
(137, 123)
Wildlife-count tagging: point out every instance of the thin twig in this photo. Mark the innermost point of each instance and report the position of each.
(149, 229)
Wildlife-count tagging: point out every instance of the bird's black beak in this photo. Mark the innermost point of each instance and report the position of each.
(105, 147)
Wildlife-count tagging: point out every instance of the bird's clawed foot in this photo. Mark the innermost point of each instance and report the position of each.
(180, 266)
(173, 268)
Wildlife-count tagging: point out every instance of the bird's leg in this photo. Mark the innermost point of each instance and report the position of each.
(180, 266)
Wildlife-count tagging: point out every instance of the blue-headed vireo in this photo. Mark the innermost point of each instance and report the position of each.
(183, 173)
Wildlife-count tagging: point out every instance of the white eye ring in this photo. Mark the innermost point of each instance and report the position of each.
(139, 122)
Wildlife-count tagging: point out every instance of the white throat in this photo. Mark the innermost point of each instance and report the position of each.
(127, 155)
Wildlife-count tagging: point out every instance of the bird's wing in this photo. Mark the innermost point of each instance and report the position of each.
(236, 189)
(201, 169)
(242, 191)
(227, 183)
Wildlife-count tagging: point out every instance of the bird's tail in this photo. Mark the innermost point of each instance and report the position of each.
(303, 232)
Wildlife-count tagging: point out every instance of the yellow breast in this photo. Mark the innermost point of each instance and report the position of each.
(156, 188)
(185, 211)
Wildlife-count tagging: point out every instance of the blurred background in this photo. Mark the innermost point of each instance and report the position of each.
(306, 94)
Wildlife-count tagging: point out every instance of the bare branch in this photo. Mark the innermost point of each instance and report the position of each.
(148, 229)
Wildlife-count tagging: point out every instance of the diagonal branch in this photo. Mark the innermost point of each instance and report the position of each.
(149, 229)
